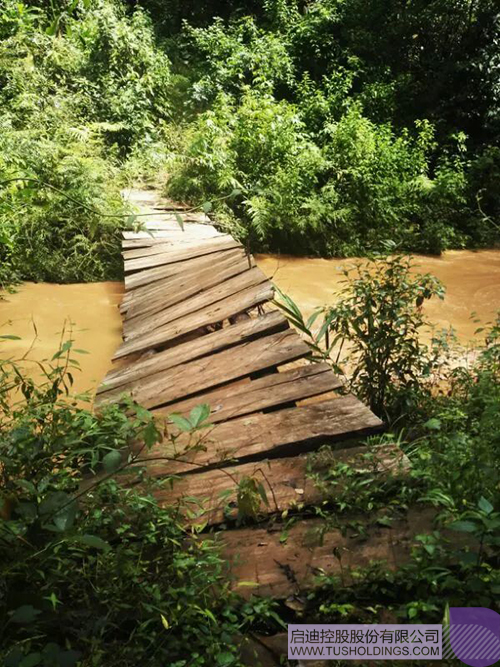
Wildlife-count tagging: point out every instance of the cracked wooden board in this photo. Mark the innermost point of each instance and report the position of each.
(208, 315)
(283, 567)
(183, 284)
(163, 255)
(193, 264)
(254, 395)
(210, 497)
(236, 279)
(209, 343)
(196, 376)
(301, 428)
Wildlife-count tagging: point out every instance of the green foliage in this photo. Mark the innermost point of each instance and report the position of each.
(229, 59)
(74, 100)
(93, 572)
(374, 329)
(453, 453)
(337, 127)
(374, 151)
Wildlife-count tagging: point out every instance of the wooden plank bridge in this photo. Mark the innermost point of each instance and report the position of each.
(199, 327)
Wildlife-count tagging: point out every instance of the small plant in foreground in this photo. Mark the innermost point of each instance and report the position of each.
(92, 572)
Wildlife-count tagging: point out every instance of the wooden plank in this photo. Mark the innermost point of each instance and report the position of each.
(212, 314)
(273, 434)
(166, 217)
(177, 241)
(244, 279)
(172, 256)
(181, 271)
(152, 238)
(153, 199)
(287, 482)
(149, 276)
(140, 297)
(282, 568)
(196, 376)
(179, 288)
(237, 399)
(209, 343)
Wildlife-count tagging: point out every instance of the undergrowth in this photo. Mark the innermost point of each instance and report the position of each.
(93, 572)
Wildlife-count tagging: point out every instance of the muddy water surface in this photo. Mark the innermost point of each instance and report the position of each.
(90, 310)
(472, 281)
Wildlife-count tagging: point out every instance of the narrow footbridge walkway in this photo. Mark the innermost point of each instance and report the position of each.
(199, 327)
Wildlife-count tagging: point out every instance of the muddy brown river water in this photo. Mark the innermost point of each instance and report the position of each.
(472, 281)
(90, 310)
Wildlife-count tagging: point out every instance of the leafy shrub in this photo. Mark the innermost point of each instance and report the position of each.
(454, 453)
(259, 146)
(374, 328)
(75, 102)
(227, 59)
(93, 572)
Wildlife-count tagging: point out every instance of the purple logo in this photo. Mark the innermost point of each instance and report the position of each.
(473, 636)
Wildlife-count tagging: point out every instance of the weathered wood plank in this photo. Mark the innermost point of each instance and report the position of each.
(180, 288)
(273, 434)
(152, 238)
(208, 344)
(196, 376)
(212, 314)
(287, 482)
(153, 199)
(149, 276)
(174, 272)
(166, 217)
(237, 399)
(244, 278)
(150, 291)
(178, 241)
(171, 256)
(284, 568)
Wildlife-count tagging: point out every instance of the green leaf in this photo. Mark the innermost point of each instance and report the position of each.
(181, 422)
(463, 526)
(433, 424)
(252, 584)
(10, 337)
(151, 435)
(262, 493)
(225, 658)
(13, 658)
(485, 506)
(69, 658)
(93, 541)
(25, 614)
(31, 660)
(112, 461)
(199, 414)
(65, 518)
(179, 219)
(207, 206)
(53, 501)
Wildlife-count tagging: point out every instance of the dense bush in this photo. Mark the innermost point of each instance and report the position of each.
(341, 124)
(383, 154)
(444, 416)
(79, 90)
(92, 572)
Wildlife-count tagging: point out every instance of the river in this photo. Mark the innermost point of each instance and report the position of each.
(89, 310)
(472, 281)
